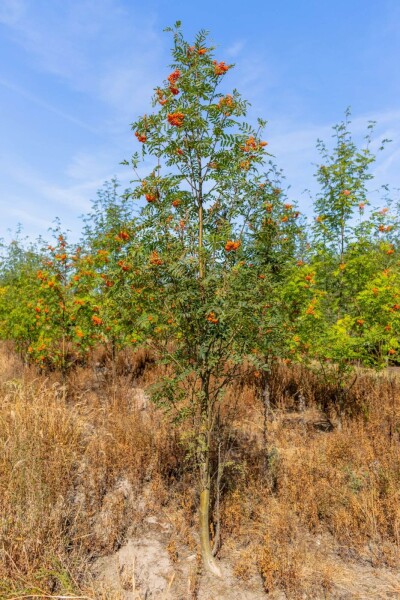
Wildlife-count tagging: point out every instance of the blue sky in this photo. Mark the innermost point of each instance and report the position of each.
(75, 73)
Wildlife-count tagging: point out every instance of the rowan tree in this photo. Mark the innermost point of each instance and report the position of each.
(105, 272)
(351, 245)
(59, 339)
(204, 199)
(19, 287)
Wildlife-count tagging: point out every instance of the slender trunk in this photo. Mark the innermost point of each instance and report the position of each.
(217, 510)
(201, 219)
(64, 369)
(201, 266)
(206, 422)
(113, 369)
(113, 362)
(341, 274)
(266, 399)
(341, 407)
(392, 427)
(201, 231)
(208, 559)
(63, 357)
(205, 480)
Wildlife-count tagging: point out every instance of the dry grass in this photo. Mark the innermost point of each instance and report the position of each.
(67, 467)
(325, 495)
(78, 466)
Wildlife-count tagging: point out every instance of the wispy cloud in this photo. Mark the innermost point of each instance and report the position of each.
(108, 55)
(92, 47)
(72, 195)
(95, 51)
(295, 151)
(26, 217)
(235, 49)
(45, 105)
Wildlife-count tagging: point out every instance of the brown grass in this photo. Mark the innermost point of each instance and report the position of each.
(324, 495)
(78, 466)
(67, 466)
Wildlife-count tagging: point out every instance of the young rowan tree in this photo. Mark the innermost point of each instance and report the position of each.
(350, 250)
(204, 198)
(109, 309)
(57, 342)
(19, 287)
(274, 251)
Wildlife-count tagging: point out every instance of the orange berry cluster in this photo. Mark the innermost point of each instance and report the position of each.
(226, 104)
(176, 119)
(155, 258)
(123, 265)
(162, 100)
(211, 318)
(141, 137)
(220, 67)
(251, 144)
(231, 245)
(173, 78)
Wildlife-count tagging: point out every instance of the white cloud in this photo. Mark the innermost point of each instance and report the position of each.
(93, 47)
(24, 216)
(235, 49)
(48, 107)
(295, 151)
(128, 89)
(86, 166)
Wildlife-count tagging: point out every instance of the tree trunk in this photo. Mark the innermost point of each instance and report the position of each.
(206, 553)
(266, 400)
(217, 509)
(204, 449)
